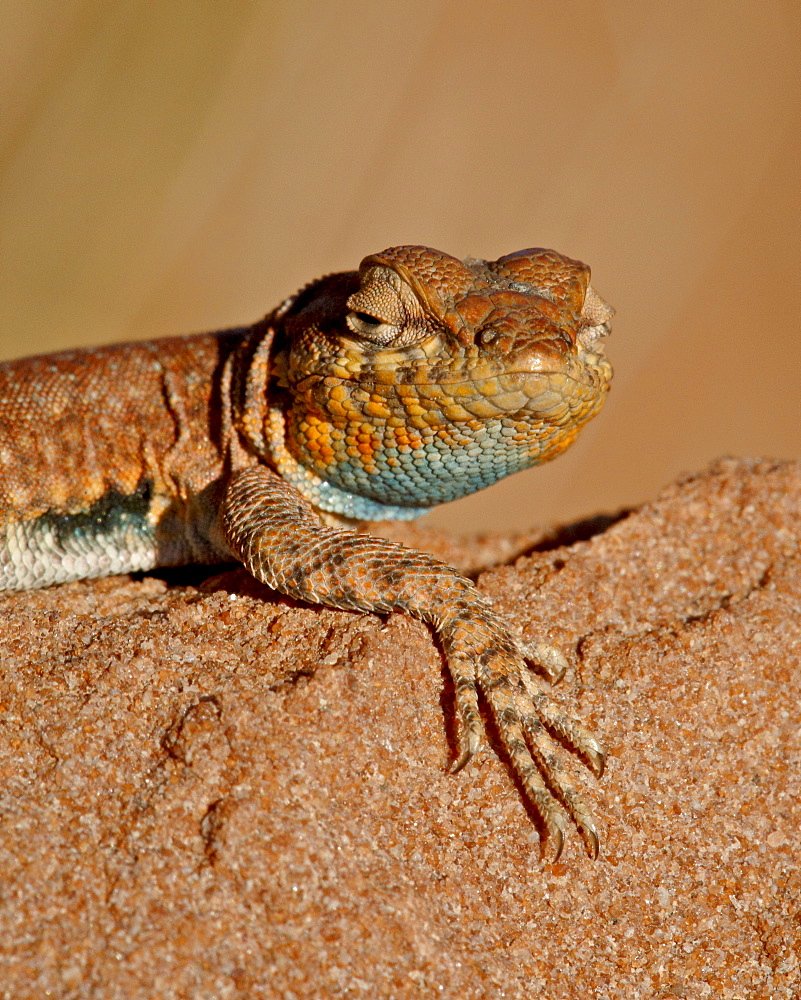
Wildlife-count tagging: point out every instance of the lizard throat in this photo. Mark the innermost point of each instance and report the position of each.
(324, 495)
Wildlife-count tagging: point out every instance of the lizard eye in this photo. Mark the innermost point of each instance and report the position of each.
(365, 319)
(371, 327)
(385, 311)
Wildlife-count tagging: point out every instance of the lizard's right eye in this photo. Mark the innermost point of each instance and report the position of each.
(366, 319)
(371, 328)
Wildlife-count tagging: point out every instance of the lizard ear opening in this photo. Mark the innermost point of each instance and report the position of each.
(385, 311)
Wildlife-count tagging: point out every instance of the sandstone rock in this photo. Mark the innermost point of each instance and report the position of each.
(209, 791)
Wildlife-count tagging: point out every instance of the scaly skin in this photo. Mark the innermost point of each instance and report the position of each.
(370, 394)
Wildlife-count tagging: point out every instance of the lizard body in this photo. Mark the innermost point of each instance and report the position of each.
(370, 394)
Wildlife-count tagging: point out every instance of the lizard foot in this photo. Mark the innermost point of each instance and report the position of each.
(485, 661)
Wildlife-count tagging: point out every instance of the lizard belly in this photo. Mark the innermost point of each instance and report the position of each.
(112, 536)
(119, 533)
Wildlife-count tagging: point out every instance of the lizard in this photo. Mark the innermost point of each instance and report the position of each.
(372, 394)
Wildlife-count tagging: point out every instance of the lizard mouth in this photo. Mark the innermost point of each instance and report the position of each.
(525, 395)
(549, 391)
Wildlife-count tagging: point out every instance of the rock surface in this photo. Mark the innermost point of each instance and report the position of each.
(210, 792)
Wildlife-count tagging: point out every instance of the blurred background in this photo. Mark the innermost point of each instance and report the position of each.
(182, 166)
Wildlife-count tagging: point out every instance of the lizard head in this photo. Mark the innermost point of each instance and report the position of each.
(422, 378)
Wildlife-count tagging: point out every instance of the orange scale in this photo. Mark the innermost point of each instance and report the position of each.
(377, 409)
(336, 409)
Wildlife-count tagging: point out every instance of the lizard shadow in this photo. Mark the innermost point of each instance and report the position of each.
(583, 530)
(230, 577)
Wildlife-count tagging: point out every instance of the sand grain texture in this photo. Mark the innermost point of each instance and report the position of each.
(209, 792)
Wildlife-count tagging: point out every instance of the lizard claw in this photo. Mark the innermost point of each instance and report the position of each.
(595, 756)
(590, 837)
(470, 744)
(557, 836)
(549, 659)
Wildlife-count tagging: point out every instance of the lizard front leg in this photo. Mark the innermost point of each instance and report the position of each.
(275, 532)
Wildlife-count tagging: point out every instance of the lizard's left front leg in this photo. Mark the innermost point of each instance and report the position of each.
(279, 538)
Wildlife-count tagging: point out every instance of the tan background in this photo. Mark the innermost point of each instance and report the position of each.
(168, 167)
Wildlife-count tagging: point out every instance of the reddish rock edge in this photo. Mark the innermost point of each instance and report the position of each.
(210, 792)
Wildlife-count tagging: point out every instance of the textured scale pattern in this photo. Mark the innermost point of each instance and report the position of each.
(374, 393)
